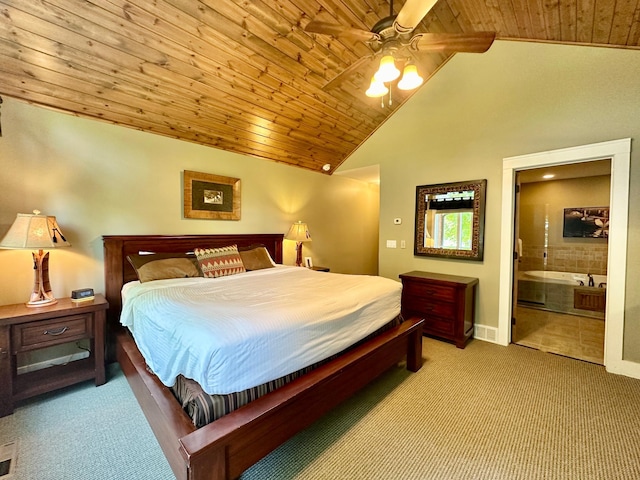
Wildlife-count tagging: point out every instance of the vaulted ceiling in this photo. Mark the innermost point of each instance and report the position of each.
(244, 75)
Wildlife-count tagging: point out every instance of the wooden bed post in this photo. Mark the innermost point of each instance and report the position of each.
(209, 466)
(414, 350)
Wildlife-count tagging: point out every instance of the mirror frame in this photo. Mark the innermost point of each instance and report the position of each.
(477, 241)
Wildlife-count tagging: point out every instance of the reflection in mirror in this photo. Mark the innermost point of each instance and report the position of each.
(450, 220)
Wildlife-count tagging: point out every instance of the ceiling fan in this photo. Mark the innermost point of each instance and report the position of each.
(391, 40)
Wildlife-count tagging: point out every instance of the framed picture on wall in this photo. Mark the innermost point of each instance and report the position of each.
(586, 222)
(209, 196)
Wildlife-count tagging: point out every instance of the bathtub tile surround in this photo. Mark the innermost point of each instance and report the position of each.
(561, 292)
(580, 259)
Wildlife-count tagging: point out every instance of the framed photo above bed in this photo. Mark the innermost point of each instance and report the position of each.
(209, 196)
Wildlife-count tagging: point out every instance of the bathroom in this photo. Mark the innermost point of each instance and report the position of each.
(561, 275)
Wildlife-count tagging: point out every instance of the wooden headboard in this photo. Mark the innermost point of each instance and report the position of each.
(118, 270)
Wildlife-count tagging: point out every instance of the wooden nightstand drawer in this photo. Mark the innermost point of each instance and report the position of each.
(429, 290)
(426, 307)
(33, 336)
(440, 326)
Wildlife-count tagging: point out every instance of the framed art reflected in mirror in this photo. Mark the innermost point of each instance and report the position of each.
(449, 220)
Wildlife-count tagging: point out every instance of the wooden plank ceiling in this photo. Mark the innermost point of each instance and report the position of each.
(243, 75)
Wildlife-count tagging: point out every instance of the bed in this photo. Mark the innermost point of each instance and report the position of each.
(228, 446)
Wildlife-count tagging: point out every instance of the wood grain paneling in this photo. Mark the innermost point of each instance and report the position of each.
(244, 76)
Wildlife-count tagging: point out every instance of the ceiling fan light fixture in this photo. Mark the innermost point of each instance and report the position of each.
(377, 88)
(388, 71)
(410, 78)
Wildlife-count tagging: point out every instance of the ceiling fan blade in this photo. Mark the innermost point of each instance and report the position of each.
(477, 42)
(340, 31)
(363, 64)
(412, 14)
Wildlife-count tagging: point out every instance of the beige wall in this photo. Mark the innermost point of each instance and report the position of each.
(558, 195)
(544, 202)
(103, 179)
(517, 98)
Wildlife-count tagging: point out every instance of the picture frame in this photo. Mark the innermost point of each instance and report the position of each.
(308, 262)
(586, 222)
(211, 197)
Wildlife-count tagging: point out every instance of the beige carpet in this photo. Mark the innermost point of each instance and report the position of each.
(485, 412)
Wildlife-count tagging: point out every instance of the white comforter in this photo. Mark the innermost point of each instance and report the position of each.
(236, 332)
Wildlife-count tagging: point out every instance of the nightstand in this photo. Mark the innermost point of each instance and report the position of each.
(24, 329)
(446, 302)
(319, 269)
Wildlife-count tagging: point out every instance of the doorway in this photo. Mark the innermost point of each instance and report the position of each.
(560, 275)
(620, 153)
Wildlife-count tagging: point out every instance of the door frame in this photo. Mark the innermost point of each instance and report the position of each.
(619, 151)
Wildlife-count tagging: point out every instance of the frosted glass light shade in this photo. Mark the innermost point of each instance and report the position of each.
(376, 89)
(410, 78)
(387, 71)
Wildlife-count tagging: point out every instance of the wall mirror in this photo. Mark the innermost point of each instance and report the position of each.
(450, 220)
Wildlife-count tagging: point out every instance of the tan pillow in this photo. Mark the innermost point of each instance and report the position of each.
(219, 262)
(160, 266)
(256, 258)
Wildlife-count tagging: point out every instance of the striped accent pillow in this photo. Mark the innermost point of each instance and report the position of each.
(219, 262)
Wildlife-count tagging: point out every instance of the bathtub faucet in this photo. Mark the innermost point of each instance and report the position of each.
(591, 282)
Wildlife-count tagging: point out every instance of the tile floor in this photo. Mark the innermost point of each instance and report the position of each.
(569, 335)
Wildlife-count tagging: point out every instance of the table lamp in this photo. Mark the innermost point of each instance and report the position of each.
(35, 231)
(300, 233)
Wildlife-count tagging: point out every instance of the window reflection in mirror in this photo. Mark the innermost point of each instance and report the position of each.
(450, 220)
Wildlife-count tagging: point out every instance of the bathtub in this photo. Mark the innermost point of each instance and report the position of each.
(566, 278)
(558, 291)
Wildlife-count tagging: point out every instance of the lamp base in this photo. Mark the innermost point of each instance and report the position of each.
(298, 254)
(41, 296)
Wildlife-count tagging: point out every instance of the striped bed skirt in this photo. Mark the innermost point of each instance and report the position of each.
(203, 408)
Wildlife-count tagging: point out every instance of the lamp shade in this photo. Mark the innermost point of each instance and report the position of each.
(299, 232)
(410, 78)
(388, 70)
(34, 231)
(376, 89)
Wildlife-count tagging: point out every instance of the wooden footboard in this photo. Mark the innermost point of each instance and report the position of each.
(231, 444)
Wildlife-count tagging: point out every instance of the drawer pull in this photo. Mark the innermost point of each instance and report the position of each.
(57, 331)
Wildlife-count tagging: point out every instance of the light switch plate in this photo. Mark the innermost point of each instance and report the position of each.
(391, 244)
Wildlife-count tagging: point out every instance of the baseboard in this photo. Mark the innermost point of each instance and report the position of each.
(483, 332)
(52, 361)
(624, 367)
